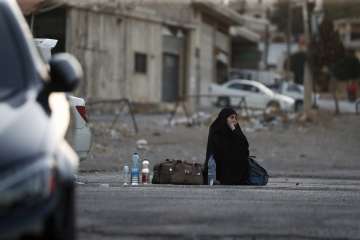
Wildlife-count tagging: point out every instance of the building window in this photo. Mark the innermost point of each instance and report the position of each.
(355, 32)
(140, 63)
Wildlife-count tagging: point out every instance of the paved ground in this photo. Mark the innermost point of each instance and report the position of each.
(287, 208)
(313, 192)
(345, 106)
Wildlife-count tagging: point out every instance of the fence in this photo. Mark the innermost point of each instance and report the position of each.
(119, 102)
(222, 101)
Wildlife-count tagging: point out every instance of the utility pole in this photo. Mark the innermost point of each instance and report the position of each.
(317, 14)
(266, 46)
(266, 40)
(307, 72)
(288, 40)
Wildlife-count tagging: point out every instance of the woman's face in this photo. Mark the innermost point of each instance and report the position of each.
(232, 120)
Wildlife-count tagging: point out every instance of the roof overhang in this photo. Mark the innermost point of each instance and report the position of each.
(29, 6)
(220, 12)
(122, 8)
(245, 33)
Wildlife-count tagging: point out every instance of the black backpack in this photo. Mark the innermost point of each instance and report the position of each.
(257, 174)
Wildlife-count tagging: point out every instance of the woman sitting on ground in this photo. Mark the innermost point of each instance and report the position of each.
(230, 149)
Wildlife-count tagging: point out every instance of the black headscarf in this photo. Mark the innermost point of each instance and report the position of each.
(230, 150)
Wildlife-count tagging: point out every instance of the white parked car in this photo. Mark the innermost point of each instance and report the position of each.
(293, 90)
(256, 95)
(79, 134)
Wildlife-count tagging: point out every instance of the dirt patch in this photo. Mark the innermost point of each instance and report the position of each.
(326, 144)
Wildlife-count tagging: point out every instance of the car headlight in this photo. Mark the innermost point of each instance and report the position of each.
(34, 181)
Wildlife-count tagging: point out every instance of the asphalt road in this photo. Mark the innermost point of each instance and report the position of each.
(344, 105)
(292, 208)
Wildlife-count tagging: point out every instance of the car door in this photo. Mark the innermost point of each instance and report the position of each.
(11, 63)
(236, 92)
(253, 96)
(23, 122)
(259, 98)
(293, 90)
(256, 96)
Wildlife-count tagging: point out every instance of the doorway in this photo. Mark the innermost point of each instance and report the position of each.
(170, 82)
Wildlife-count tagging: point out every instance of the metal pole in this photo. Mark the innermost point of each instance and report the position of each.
(288, 40)
(198, 79)
(266, 49)
(308, 72)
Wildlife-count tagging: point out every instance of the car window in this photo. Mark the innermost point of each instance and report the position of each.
(293, 88)
(249, 88)
(236, 86)
(274, 87)
(244, 87)
(11, 66)
(254, 89)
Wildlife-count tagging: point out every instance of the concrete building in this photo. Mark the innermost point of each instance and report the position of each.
(349, 30)
(147, 51)
(29, 6)
(245, 49)
(254, 8)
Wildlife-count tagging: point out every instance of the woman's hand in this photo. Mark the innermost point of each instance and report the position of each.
(232, 121)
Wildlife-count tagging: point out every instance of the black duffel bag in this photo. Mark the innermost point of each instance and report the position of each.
(178, 172)
(257, 174)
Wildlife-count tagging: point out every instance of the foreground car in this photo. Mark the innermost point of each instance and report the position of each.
(256, 94)
(37, 166)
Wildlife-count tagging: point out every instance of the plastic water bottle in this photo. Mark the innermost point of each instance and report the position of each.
(145, 172)
(135, 169)
(211, 170)
(126, 176)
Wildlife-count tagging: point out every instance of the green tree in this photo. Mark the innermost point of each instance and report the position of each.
(341, 9)
(328, 52)
(347, 68)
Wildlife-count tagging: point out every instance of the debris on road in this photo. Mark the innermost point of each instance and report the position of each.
(202, 118)
(310, 117)
(100, 148)
(114, 134)
(142, 144)
(104, 185)
(197, 119)
(255, 121)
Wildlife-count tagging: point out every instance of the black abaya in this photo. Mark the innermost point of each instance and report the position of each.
(230, 150)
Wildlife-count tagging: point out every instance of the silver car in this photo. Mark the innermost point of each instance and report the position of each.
(37, 166)
(256, 94)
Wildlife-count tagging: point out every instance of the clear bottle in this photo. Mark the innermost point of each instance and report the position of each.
(145, 172)
(211, 170)
(135, 169)
(126, 175)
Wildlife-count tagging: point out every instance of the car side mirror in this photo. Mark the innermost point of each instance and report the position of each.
(65, 73)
